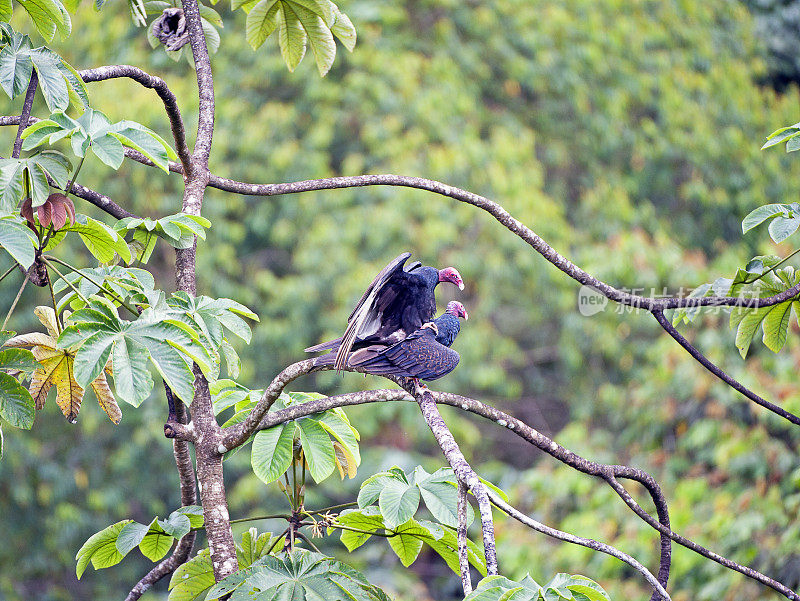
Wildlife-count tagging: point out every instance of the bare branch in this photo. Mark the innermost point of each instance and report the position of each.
(609, 473)
(579, 540)
(692, 350)
(183, 462)
(24, 117)
(462, 470)
(154, 83)
(461, 534)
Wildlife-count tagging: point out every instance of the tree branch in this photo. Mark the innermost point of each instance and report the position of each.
(462, 470)
(584, 542)
(608, 473)
(26, 113)
(461, 535)
(183, 462)
(692, 350)
(154, 83)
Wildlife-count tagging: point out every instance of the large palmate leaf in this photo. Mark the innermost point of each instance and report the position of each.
(299, 23)
(115, 281)
(109, 546)
(327, 439)
(178, 230)
(96, 333)
(27, 178)
(562, 586)
(406, 539)
(58, 81)
(398, 495)
(297, 575)
(773, 320)
(93, 130)
(57, 368)
(193, 580)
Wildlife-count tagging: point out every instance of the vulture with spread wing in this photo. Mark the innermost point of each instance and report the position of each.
(399, 301)
(424, 354)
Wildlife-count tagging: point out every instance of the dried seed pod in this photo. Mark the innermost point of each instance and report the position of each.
(170, 29)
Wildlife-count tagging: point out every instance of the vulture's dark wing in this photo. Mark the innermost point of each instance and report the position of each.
(418, 356)
(386, 290)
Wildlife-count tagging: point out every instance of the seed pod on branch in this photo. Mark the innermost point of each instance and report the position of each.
(170, 29)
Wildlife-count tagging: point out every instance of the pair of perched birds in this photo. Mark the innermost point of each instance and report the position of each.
(390, 331)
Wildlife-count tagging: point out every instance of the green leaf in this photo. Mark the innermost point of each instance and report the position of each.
(51, 79)
(100, 549)
(130, 536)
(398, 502)
(295, 576)
(291, 36)
(776, 326)
(194, 513)
(109, 150)
(319, 36)
(272, 452)
(440, 494)
(748, 326)
(15, 67)
(761, 214)
(6, 10)
(176, 525)
(16, 403)
(193, 579)
(407, 544)
(343, 29)
(17, 240)
(781, 228)
(156, 543)
(262, 20)
(317, 447)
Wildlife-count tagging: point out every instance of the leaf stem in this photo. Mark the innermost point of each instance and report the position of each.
(276, 516)
(360, 531)
(63, 277)
(74, 176)
(55, 307)
(771, 269)
(10, 269)
(277, 540)
(332, 508)
(100, 286)
(16, 300)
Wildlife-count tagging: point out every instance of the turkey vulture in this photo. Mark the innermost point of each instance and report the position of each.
(397, 302)
(422, 355)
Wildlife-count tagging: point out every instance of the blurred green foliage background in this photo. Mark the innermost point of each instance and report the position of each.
(625, 133)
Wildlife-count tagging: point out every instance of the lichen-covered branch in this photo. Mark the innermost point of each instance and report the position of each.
(735, 384)
(26, 113)
(461, 536)
(462, 470)
(584, 542)
(183, 462)
(154, 83)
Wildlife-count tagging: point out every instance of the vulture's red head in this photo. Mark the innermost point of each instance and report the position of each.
(457, 309)
(450, 274)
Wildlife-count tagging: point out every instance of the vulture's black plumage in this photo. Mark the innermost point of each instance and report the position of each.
(397, 302)
(423, 354)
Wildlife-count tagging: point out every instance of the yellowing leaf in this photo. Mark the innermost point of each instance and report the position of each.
(47, 316)
(57, 369)
(346, 464)
(106, 399)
